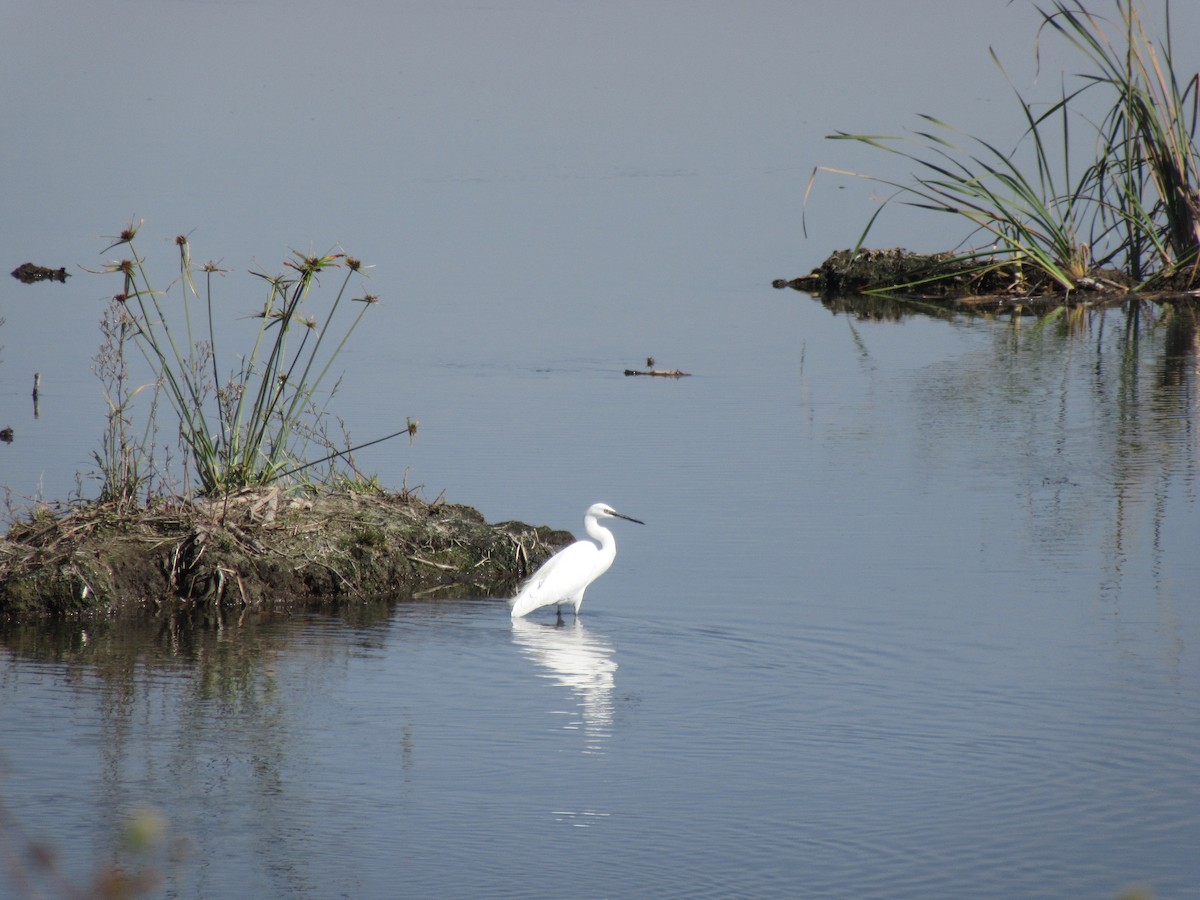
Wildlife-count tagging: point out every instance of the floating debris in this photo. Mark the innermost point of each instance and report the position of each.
(28, 273)
(659, 373)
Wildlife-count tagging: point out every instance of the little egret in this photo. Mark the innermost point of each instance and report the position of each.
(564, 577)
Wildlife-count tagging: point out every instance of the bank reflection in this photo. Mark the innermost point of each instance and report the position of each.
(186, 711)
(580, 660)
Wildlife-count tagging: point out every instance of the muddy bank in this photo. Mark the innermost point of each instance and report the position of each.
(267, 550)
(944, 279)
(850, 272)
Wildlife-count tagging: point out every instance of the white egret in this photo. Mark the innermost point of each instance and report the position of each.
(564, 577)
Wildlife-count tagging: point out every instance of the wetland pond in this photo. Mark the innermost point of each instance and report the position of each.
(915, 608)
(914, 613)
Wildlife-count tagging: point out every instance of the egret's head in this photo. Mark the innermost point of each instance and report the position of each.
(604, 511)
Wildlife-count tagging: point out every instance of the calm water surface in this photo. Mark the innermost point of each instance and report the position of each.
(914, 612)
(909, 617)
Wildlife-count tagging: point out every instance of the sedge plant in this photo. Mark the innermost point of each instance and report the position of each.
(249, 429)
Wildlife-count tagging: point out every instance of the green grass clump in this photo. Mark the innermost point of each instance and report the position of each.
(1134, 208)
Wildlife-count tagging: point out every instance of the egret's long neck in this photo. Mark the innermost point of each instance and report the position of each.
(608, 545)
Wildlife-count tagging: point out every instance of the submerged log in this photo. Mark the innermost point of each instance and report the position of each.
(265, 550)
(660, 373)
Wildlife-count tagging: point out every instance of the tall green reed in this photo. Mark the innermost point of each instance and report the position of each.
(1148, 167)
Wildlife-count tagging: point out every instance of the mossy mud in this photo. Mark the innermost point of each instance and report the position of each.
(266, 550)
(946, 280)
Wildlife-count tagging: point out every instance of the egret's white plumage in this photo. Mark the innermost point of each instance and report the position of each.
(564, 577)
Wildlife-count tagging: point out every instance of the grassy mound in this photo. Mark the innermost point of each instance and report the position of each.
(263, 549)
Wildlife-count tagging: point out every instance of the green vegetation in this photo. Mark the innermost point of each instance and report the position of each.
(1131, 215)
(247, 429)
(235, 535)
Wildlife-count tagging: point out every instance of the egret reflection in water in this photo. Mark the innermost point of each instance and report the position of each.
(578, 659)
